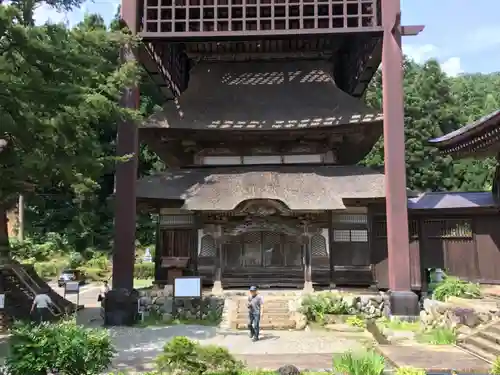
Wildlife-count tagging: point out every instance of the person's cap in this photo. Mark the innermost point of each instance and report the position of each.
(253, 288)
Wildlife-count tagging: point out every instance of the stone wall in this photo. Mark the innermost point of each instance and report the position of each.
(436, 314)
(161, 302)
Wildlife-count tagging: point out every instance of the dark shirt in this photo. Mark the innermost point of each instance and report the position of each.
(255, 303)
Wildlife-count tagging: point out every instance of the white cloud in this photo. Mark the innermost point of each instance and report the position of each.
(107, 9)
(452, 66)
(46, 13)
(421, 53)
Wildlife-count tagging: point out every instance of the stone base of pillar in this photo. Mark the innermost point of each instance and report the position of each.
(217, 288)
(308, 287)
(404, 304)
(333, 286)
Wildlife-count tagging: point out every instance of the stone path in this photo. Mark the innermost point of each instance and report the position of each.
(137, 347)
(434, 358)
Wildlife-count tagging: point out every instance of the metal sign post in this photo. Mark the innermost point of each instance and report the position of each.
(73, 287)
(188, 287)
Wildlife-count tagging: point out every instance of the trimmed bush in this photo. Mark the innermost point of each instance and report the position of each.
(144, 271)
(183, 356)
(316, 306)
(95, 274)
(454, 287)
(65, 346)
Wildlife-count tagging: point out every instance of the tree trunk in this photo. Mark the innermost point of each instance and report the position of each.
(4, 235)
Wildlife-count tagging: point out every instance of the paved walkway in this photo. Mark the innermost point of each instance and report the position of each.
(137, 347)
(435, 358)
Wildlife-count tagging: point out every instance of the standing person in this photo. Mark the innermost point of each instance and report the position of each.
(104, 290)
(41, 302)
(255, 312)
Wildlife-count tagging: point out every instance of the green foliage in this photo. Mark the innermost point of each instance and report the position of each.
(356, 321)
(410, 371)
(38, 251)
(495, 369)
(316, 306)
(438, 336)
(436, 104)
(454, 287)
(70, 348)
(397, 324)
(143, 271)
(183, 356)
(363, 363)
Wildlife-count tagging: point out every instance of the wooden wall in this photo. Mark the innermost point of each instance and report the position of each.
(464, 244)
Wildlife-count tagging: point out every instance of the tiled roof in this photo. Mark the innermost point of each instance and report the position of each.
(468, 130)
(264, 96)
(444, 200)
(305, 187)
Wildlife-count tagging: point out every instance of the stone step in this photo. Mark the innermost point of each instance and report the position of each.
(478, 351)
(244, 318)
(494, 328)
(490, 335)
(288, 324)
(266, 308)
(484, 344)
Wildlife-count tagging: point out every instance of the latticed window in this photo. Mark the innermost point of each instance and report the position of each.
(252, 249)
(271, 245)
(457, 228)
(350, 235)
(318, 246)
(208, 248)
(176, 220)
(351, 219)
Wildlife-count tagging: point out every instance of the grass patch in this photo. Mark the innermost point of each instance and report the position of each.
(143, 283)
(395, 324)
(438, 336)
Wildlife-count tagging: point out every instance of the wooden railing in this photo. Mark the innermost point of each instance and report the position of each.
(219, 18)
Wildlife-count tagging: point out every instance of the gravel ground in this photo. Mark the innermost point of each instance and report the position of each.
(137, 347)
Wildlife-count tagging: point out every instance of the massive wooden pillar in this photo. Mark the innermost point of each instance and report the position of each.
(403, 301)
(126, 175)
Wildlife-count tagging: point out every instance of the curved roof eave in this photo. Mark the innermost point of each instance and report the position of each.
(466, 131)
(266, 96)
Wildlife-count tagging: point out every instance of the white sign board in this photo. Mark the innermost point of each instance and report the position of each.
(2, 301)
(72, 287)
(187, 287)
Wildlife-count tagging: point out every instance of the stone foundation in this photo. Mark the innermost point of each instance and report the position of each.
(161, 301)
(438, 314)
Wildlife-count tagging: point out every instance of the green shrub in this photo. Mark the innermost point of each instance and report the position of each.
(144, 271)
(410, 371)
(363, 363)
(54, 245)
(454, 287)
(183, 356)
(99, 262)
(50, 269)
(65, 346)
(316, 306)
(95, 274)
(495, 369)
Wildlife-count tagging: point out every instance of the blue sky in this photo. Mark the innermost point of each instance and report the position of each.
(464, 35)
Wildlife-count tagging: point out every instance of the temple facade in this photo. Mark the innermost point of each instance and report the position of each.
(262, 129)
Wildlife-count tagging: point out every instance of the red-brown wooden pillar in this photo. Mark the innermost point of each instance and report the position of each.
(126, 175)
(402, 300)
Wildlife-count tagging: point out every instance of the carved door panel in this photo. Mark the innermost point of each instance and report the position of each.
(273, 249)
(252, 250)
